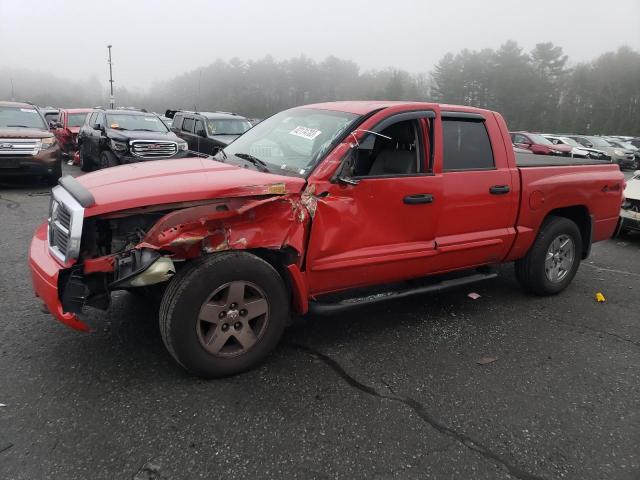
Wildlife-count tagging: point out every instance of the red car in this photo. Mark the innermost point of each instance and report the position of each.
(67, 128)
(317, 209)
(539, 145)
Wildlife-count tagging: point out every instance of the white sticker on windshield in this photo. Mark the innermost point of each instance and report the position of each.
(305, 132)
(30, 110)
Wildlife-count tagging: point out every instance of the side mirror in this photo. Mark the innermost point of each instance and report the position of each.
(201, 133)
(53, 124)
(345, 172)
(589, 145)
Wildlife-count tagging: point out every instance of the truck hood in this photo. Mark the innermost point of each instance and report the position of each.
(224, 139)
(124, 135)
(183, 180)
(24, 133)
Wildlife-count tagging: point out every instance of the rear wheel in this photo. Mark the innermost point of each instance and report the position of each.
(553, 260)
(108, 160)
(223, 314)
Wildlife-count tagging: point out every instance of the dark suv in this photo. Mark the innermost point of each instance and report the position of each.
(207, 132)
(27, 147)
(114, 137)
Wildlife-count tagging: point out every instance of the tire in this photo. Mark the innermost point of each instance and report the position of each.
(533, 272)
(108, 160)
(85, 161)
(203, 347)
(52, 178)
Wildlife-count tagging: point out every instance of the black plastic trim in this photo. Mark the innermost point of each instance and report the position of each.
(462, 115)
(77, 191)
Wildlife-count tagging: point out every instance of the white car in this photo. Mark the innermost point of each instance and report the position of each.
(630, 211)
(577, 149)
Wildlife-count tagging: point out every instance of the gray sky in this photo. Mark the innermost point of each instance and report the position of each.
(156, 40)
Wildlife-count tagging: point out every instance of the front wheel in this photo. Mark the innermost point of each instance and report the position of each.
(85, 162)
(553, 260)
(53, 177)
(223, 314)
(108, 160)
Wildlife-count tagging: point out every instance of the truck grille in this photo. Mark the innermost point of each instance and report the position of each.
(65, 225)
(19, 146)
(153, 148)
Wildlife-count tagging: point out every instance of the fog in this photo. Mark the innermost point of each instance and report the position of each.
(158, 40)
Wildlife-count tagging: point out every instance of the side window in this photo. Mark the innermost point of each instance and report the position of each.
(187, 125)
(397, 150)
(517, 138)
(177, 121)
(200, 128)
(92, 119)
(99, 120)
(466, 145)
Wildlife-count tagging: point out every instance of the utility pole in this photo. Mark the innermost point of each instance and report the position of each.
(13, 96)
(112, 100)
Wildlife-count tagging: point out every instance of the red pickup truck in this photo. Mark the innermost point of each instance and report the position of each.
(313, 210)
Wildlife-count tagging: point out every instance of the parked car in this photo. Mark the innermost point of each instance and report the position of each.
(312, 210)
(114, 137)
(538, 144)
(67, 126)
(619, 156)
(630, 211)
(627, 147)
(578, 150)
(27, 147)
(208, 132)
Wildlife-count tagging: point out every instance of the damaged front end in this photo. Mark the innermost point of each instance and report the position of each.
(148, 245)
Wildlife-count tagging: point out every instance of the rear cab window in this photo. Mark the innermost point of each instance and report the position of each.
(466, 145)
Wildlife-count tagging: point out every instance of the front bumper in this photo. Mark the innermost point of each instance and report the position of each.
(41, 164)
(133, 159)
(626, 161)
(630, 219)
(44, 275)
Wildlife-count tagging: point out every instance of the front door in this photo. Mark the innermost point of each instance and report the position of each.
(383, 228)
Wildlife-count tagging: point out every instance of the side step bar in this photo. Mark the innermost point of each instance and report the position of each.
(323, 308)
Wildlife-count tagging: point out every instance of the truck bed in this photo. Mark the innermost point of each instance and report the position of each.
(525, 160)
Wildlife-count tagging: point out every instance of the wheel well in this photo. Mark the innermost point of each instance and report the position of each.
(579, 215)
(278, 259)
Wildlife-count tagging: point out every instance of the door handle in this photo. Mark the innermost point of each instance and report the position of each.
(418, 198)
(499, 189)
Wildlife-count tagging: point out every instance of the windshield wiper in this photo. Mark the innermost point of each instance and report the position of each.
(144, 130)
(20, 126)
(262, 166)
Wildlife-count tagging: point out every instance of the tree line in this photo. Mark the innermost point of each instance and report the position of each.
(538, 90)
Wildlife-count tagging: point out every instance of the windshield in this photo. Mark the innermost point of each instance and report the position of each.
(293, 140)
(21, 118)
(539, 139)
(227, 127)
(127, 121)
(598, 142)
(76, 119)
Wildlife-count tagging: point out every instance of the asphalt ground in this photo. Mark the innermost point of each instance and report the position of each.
(392, 391)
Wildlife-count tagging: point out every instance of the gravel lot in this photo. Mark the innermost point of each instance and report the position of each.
(393, 391)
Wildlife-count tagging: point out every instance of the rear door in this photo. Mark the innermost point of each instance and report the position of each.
(476, 226)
